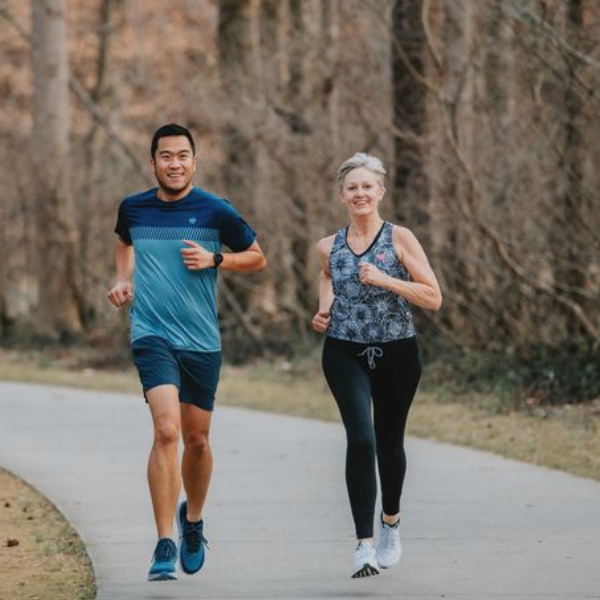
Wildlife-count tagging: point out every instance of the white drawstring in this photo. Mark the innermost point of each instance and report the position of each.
(372, 352)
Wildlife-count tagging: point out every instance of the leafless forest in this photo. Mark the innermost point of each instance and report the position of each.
(486, 113)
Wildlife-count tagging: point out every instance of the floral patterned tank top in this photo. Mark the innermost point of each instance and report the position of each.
(366, 313)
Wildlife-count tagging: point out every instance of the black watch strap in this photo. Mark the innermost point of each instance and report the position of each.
(217, 259)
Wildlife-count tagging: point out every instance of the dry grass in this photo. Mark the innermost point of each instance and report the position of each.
(41, 556)
(566, 438)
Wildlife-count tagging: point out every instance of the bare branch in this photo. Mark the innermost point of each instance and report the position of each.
(527, 15)
(85, 98)
(473, 214)
(425, 12)
(419, 77)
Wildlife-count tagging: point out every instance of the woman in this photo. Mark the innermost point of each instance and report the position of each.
(372, 271)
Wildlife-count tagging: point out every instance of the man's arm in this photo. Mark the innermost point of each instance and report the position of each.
(196, 258)
(122, 292)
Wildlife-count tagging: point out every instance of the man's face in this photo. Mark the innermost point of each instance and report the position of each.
(174, 164)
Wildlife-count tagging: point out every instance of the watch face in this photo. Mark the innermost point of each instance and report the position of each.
(218, 259)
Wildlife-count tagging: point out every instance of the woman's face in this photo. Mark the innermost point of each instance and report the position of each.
(361, 192)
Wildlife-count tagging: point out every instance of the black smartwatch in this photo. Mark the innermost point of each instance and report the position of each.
(217, 259)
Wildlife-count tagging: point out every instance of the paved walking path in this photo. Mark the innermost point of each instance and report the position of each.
(476, 526)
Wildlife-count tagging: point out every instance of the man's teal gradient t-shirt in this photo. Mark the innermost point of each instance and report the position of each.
(171, 301)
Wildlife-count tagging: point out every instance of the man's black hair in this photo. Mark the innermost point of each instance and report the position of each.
(168, 131)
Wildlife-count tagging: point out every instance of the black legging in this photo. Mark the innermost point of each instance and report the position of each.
(388, 373)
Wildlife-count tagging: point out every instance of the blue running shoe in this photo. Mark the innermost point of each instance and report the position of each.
(164, 561)
(192, 544)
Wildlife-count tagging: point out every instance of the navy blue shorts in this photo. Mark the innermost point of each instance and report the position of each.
(195, 374)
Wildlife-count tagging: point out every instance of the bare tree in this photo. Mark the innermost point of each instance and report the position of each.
(567, 253)
(237, 43)
(3, 275)
(89, 149)
(410, 186)
(487, 114)
(58, 297)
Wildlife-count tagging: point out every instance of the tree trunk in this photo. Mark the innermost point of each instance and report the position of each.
(58, 298)
(278, 283)
(245, 138)
(302, 232)
(453, 234)
(330, 94)
(568, 262)
(92, 167)
(3, 273)
(410, 187)
(239, 73)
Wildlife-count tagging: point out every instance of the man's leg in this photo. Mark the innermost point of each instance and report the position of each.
(197, 461)
(164, 476)
(199, 379)
(197, 470)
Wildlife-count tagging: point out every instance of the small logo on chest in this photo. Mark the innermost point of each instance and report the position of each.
(192, 220)
(380, 257)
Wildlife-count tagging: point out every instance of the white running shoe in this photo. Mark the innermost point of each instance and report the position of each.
(389, 548)
(365, 560)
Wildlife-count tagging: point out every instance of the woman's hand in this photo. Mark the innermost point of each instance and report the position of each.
(321, 320)
(369, 274)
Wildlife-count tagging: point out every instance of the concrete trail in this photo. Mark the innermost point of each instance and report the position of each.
(476, 526)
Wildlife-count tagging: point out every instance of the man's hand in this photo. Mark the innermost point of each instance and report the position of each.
(196, 257)
(121, 294)
(321, 320)
(370, 275)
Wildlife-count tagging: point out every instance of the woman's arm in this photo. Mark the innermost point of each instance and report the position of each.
(423, 290)
(321, 320)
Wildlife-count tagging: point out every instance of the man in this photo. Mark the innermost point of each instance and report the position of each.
(169, 241)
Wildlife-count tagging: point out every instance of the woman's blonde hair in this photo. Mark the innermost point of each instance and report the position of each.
(361, 159)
